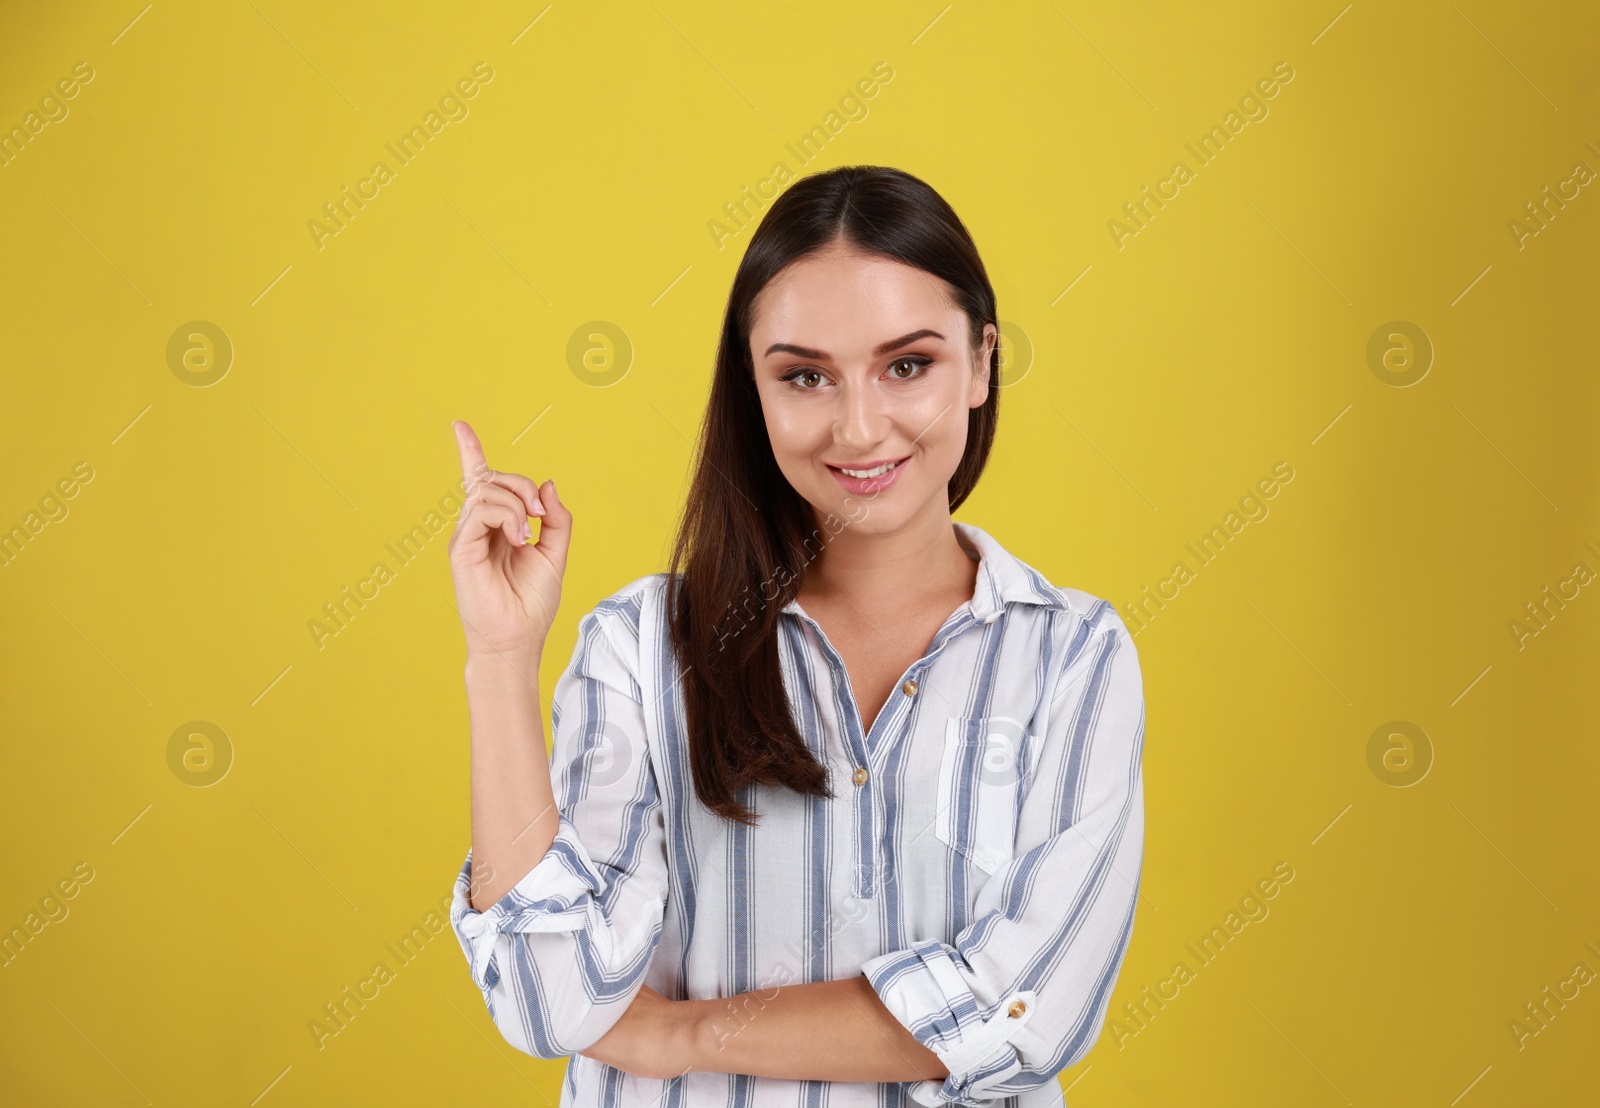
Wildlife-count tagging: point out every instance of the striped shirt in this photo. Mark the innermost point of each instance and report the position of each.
(979, 861)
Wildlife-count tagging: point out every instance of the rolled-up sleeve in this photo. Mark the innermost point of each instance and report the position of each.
(1022, 993)
(562, 954)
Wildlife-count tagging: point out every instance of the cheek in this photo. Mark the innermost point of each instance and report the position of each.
(797, 432)
(937, 420)
(789, 428)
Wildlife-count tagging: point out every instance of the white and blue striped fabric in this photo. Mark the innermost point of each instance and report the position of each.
(982, 872)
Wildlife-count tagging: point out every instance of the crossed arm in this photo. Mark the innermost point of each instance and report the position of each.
(820, 1031)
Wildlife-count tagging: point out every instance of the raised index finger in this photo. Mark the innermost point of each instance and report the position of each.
(473, 465)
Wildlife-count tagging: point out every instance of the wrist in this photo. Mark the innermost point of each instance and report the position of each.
(521, 663)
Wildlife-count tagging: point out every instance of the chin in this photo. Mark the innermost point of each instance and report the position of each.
(872, 515)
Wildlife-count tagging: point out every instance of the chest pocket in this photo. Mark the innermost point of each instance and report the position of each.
(982, 779)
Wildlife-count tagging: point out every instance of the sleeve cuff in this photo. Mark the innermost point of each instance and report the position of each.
(926, 991)
(557, 894)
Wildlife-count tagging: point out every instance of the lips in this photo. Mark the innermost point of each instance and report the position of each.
(862, 467)
(869, 486)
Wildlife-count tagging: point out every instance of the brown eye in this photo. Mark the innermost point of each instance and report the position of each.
(915, 364)
(794, 376)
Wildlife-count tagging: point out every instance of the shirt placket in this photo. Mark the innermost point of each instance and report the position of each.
(867, 751)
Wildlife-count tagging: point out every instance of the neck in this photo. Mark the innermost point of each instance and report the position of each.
(903, 569)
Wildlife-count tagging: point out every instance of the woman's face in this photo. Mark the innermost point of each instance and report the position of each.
(862, 361)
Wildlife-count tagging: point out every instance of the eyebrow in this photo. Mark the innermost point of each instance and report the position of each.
(881, 348)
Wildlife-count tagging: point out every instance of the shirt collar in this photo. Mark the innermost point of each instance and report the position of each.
(1002, 578)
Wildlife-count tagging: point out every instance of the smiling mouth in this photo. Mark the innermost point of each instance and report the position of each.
(875, 471)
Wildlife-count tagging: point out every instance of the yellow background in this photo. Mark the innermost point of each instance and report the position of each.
(1229, 335)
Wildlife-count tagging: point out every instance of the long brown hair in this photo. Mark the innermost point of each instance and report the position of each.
(746, 535)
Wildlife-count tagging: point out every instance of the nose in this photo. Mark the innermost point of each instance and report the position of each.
(860, 420)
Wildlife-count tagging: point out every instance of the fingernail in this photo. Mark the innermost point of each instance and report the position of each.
(538, 509)
(527, 530)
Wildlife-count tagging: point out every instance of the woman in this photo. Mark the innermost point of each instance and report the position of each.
(855, 799)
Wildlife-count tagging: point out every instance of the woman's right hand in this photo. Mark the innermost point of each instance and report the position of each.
(507, 590)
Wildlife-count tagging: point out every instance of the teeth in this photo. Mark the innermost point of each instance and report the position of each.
(878, 472)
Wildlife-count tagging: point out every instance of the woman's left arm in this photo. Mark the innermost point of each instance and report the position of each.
(818, 1031)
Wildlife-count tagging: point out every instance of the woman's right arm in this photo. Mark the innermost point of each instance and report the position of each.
(559, 904)
(507, 593)
(514, 816)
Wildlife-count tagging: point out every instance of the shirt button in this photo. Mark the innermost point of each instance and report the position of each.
(909, 688)
(860, 776)
(1017, 1009)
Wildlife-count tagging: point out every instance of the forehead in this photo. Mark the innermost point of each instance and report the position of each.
(845, 301)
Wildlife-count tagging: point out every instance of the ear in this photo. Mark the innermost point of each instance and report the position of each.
(980, 371)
